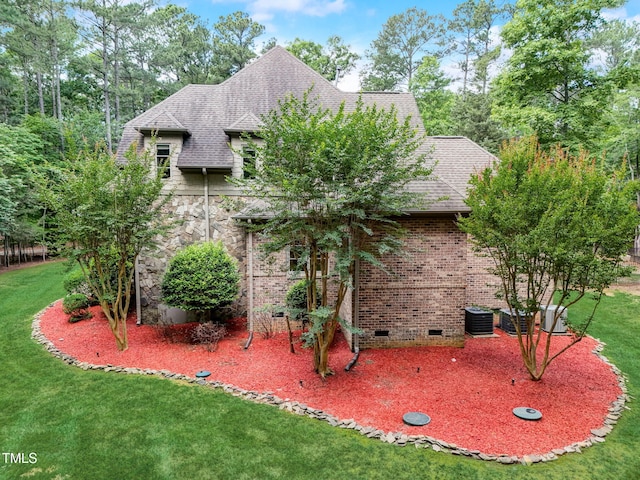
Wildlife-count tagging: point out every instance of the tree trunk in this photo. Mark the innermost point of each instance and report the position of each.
(116, 73)
(25, 83)
(117, 324)
(290, 332)
(40, 93)
(321, 357)
(105, 86)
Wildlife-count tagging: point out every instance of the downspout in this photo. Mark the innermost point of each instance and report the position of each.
(206, 205)
(355, 317)
(250, 285)
(136, 270)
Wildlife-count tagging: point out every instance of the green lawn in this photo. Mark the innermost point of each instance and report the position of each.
(96, 425)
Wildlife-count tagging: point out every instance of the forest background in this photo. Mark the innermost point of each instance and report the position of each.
(72, 73)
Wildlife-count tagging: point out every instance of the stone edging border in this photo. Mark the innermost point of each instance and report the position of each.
(396, 438)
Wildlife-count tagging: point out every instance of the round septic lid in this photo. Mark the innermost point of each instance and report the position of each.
(203, 374)
(416, 419)
(527, 413)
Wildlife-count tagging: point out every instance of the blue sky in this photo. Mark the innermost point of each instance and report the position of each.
(358, 22)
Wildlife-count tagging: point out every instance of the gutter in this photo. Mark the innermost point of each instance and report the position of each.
(250, 285)
(136, 270)
(355, 316)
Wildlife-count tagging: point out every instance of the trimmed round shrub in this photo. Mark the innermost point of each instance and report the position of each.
(200, 278)
(74, 282)
(296, 299)
(76, 306)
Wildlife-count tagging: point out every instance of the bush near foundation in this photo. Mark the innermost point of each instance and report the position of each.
(201, 277)
(76, 305)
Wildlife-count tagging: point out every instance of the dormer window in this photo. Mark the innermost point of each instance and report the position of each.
(248, 162)
(163, 154)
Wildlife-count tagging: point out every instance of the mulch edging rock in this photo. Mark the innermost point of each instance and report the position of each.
(395, 438)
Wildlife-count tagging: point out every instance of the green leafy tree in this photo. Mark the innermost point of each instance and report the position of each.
(22, 160)
(201, 278)
(333, 59)
(619, 42)
(234, 38)
(471, 117)
(618, 46)
(314, 175)
(429, 87)
(550, 86)
(472, 21)
(41, 37)
(552, 223)
(9, 90)
(106, 214)
(398, 49)
(186, 54)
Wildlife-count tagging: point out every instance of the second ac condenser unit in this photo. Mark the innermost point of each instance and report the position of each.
(546, 318)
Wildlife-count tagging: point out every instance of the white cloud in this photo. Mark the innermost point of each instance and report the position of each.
(620, 14)
(350, 82)
(314, 8)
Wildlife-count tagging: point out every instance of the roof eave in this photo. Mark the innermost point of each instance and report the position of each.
(156, 130)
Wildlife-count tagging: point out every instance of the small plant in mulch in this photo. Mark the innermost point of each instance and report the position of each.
(76, 305)
(208, 334)
(264, 322)
(297, 307)
(75, 282)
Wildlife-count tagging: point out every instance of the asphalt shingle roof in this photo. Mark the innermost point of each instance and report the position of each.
(206, 114)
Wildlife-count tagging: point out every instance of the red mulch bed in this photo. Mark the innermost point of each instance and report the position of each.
(467, 392)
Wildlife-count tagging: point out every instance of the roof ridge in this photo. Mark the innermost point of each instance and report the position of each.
(262, 58)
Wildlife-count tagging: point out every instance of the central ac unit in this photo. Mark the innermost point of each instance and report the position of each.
(546, 318)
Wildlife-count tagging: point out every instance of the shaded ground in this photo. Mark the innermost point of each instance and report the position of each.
(18, 266)
(628, 284)
(469, 392)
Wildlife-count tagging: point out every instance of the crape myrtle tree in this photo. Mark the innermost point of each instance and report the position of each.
(556, 228)
(107, 213)
(330, 182)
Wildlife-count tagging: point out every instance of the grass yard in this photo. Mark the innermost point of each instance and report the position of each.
(97, 425)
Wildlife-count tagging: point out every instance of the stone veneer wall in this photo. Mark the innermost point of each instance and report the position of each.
(423, 302)
(188, 211)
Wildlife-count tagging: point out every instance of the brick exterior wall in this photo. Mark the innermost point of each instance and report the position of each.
(423, 301)
(481, 285)
(272, 280)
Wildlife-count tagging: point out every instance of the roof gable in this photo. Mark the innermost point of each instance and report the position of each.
(213, 112)
(163, 122)
(247, 123)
